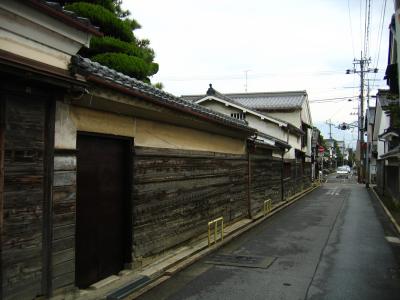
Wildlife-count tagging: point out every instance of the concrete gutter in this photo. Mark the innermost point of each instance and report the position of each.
(387, 212)
(162, 269)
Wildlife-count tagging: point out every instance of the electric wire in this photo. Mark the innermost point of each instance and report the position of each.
(368, 28)
(351, 28)
(380, 33)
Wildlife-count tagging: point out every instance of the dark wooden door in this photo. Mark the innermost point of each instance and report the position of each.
(102, 213)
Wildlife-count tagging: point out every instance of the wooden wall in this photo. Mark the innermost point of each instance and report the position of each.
(23, 197)
(266, 174)
(64, 208)
(177, 192)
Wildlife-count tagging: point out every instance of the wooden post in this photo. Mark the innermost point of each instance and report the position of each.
(249, 182)
(2, 138)
(48, 199)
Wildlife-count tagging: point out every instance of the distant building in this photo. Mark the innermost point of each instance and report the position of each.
(281, 118)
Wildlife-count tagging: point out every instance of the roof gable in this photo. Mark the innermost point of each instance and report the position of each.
(242, 108)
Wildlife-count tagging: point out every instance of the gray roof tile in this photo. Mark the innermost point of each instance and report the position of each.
(85, 66)
(271, 101)
(262, 101)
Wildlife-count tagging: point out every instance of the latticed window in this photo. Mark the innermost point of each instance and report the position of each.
(240, 116)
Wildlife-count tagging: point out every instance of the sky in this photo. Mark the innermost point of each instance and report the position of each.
(280, 46)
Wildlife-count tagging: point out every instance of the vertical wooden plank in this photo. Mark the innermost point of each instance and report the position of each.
(249, 183)
(48, 198)
(282, 174)
(2, 126)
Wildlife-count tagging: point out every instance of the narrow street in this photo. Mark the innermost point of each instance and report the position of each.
(332, 244)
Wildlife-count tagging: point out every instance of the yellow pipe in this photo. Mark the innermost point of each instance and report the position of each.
(215, 223)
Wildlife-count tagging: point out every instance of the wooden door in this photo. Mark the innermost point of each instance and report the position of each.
(102, 213)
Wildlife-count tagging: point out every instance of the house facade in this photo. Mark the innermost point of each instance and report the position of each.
(386, 132)
(102, 173)
(280, 118)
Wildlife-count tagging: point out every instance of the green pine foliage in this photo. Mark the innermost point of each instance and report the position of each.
(127, 64)
(118, 49)
(109, 44)
(108, 22)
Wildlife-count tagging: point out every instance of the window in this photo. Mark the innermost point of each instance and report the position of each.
(240, 116)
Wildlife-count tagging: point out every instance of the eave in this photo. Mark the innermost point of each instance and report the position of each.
(243, 109)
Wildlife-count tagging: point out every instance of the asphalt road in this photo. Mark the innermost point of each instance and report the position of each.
(332, 244)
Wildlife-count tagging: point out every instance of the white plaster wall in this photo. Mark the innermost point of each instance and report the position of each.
(383, 124)
(65, 127)
(263, 126)
(270, 128)
(309, 133)
(219, 107)
(306, 113)
(291, 117)
(266, 127)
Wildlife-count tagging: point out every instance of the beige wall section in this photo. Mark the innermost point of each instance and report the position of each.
(102, 122)
(161, 135)
(70, 119)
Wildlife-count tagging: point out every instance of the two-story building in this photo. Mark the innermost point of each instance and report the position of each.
(280, 118)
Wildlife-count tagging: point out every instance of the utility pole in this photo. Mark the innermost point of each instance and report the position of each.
(329, 122)
(363, 62)
(367, 154)
(245, 74)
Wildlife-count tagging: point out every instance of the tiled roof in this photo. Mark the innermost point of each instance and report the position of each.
(271, 101)
(385, 98)
(262, 101)
(85, 67)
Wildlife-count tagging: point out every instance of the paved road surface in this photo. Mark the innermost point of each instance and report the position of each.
(330, 245)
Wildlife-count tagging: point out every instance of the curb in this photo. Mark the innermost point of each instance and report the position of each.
(165, 274)
(387, 212)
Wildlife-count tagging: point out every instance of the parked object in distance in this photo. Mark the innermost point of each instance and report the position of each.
(343, 172)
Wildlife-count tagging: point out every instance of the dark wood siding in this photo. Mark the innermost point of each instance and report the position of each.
(177, 192)
(23, 197)
(64, 209)
(266, 174)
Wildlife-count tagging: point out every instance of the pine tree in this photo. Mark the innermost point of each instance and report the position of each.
(118, 49)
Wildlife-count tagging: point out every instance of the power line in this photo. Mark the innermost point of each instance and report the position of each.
(351, 28)
(380, 32)
(250, 76)
(368, 16)
(336, 98)
(365, 27)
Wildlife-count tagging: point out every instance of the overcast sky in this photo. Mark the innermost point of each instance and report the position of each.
(283, 46)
